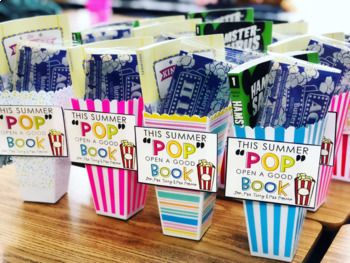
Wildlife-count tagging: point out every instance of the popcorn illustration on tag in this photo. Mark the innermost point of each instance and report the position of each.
(128, 150)
(56, 142)
(304, 186)
(206, 174)
(326, 151)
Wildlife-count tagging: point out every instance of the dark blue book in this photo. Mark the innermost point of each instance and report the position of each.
(199, 86)
(112, 76)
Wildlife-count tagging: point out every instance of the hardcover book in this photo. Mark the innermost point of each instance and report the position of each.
(240, 35)
(224, 15)
(247, 85)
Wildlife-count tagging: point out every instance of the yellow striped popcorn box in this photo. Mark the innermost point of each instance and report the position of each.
(188, 213)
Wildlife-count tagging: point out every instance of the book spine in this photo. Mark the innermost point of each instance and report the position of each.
(249, 15)
(239, 100)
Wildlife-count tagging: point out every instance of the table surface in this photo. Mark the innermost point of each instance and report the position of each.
(71, 231)
(339, 251)
(336, 210)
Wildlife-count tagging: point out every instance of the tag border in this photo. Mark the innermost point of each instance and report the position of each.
(242, 199)
(123, 114)
(64, 128)
(174, 187)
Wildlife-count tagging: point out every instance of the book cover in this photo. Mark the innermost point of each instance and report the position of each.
(247, 85)
(112, 76)
(239, 56)
(41, 67)
(240, 35)
(224, 15)
(199, 86)
(157, 63)
(336, 57)
(77, 55)
(297, 94)
(307, 55)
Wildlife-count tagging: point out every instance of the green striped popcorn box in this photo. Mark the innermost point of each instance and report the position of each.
(274, 229)
(188, 213)
(40, 179)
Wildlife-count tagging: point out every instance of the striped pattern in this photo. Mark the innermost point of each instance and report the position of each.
(115, 192)
(274, 229)
(216, 124)
(342, 167)
(185, 213)
(340, 105)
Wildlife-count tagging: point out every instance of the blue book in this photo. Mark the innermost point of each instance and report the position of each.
(298, 93)
(112, 76)
(336, 57)
(199, 86)
(41, 67)
(238, 56)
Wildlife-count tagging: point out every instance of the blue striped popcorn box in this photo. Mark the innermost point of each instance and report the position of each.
(40, 179)
(274, 229)
(188, 213)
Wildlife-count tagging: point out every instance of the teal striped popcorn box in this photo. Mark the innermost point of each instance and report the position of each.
(188, 213)
(40, 179)
(274, 228)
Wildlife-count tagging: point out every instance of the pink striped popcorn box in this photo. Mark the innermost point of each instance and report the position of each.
(339, 104)
(342, 167)
(274, 229)
(188, 213)
(115, 192)
(41, 179)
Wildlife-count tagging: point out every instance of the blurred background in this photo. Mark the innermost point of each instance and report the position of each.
(323, 16)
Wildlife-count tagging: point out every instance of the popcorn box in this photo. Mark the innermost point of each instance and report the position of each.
(41, 179)
(188, 213)
(206, 172)
(342, 166)
(185, 213)
(339, 104)
(304, 188)
(56, 142)
(326, 151)
(263, 219)
(273, 229)
(116, 192)
(128, 154)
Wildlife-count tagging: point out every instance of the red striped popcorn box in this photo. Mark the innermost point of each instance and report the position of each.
(116, 192)
(342, 166)
(206, 172)
(339, 104)
(187, 213)
(326, 151)
(56, 142)
(128, 151)
(304, 188)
